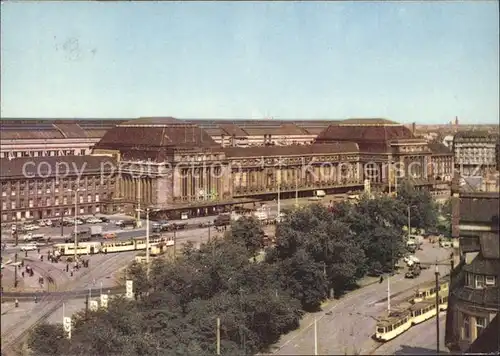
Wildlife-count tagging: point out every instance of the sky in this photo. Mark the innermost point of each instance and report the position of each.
(405, 61)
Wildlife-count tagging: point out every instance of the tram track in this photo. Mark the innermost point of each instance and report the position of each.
(51, 303)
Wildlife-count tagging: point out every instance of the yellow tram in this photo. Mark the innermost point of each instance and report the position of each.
(428, 290)
(90, 248)
(408, 314)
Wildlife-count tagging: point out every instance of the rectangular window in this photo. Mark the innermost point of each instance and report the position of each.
(490, 280)
(4, 205)
(13, 193)
(89, 198)
(97, 198)
(56, 201)
(13, 205)
(65, 200)
(30, 203)
(81, 198)
(4, 217)
(480, 325)
(479, 281)
(466, 326)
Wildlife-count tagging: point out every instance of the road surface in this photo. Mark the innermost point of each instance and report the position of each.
(345, 326)
(15, 322)
(418, 340)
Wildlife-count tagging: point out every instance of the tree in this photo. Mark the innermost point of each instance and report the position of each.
(423, 209)
(304, 279)
(247, 230)
(48, 340)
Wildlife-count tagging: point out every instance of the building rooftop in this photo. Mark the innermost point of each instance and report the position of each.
(156, 134)
(474, 134)
(44, 129)
(365, 133)
(291, 150)
(479, 208)
(62, 166)
(438, 148)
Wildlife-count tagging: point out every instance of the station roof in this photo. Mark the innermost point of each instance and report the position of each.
(365, 132)
(291, 150)
(156, 134)
(19, 129)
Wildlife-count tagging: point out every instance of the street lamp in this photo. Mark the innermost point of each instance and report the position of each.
(147, 239)
(76, 214)
(409, 218)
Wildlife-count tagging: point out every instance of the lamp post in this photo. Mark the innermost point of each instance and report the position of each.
(437, 308)
(297, 189)
(279, 183)
(147, 240)
(409, 218)
(76, 215)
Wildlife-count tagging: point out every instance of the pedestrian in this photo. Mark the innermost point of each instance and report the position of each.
(381, 279)
(71, 274)
(38, 250)
(16, 303)
(25, 253)
(22, 274)
(67, 267)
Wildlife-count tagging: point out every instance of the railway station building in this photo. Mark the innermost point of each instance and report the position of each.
(203, 167)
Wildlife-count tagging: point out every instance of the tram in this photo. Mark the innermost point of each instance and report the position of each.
(90, 248)
(428, 291)
(408, 314)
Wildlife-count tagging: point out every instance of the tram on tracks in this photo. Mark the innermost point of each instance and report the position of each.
(428, 290)
(408, 314)
(90, 248)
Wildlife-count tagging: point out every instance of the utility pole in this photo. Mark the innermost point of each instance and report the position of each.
(279, 183)
(209, 234)
(437, 309)
(315, 337)
(297, 189)
(15, 271)
(147, 243)
(218, 336)
(409, 222)
(390, 175)
(138, 222)
(76, 216)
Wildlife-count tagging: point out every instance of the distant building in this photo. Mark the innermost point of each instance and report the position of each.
(51, 138)
(44, 187)
(475, 153)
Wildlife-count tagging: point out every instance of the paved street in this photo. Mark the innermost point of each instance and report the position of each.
(16, 321)
(419, 340)
(346, 325)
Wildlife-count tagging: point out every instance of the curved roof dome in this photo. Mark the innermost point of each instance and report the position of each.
(156, 133)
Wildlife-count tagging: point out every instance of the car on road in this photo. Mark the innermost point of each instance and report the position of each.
(206, 224)
(29, 247)
(93, 220)
(126, 223)
(413, 272)
(109, 236)
(30, 227)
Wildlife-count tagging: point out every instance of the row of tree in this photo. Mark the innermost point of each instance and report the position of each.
(316, 251)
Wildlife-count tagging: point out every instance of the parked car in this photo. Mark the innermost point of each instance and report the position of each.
(29, 247)
(94, 220)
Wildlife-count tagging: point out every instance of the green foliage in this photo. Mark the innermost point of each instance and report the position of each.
(424, 211)
(176, 312)
(247, 231)
(41, 334)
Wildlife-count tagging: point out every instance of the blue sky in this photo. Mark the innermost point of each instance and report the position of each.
(408, 61)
